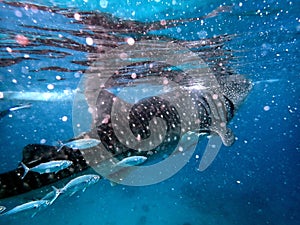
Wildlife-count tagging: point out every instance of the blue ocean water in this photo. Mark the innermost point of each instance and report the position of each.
(255, 181)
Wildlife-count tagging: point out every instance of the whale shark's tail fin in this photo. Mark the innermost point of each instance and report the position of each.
(26, 170)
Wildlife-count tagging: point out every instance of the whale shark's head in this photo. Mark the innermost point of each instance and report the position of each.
(236, 88)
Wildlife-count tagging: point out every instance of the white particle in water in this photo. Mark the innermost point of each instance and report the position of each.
(238, 181)
(103, 3)
(240, 4)
(9, 49)
(50, 86)
(133, 75)
(76, 16)
(130, 41)
(58, 77)
(18, 13)
(43, 141)
(64, 118)
(89, 41)
(14, 81)
(267, 108)
(26, 56)
(77, 74)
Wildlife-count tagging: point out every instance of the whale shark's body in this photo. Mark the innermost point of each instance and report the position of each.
(215, 92)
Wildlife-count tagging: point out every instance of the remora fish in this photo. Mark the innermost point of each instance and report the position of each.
(78, 183)
(39, 204)
(131, 161)
(48, 167)
(2, 208)
(81, 144)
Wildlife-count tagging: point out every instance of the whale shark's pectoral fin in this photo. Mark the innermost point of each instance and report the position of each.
(219, 118)
(224, 132)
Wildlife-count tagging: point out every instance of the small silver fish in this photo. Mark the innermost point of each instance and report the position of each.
(79, 184)
(21, 106)
(39, 204)
(81, 144)
(52, 195)
(131, 161)
(2, 208)
(48, 167)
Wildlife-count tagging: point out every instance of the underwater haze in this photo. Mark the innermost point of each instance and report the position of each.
(46, 47)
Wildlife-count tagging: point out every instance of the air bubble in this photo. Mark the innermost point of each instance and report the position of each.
(130, 41)
(103, 4)
(9, 49)
(50, 86)
(89, 41)
(77, 16)
(64, 118)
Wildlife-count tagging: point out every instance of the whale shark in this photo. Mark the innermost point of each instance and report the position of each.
(143, 96)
